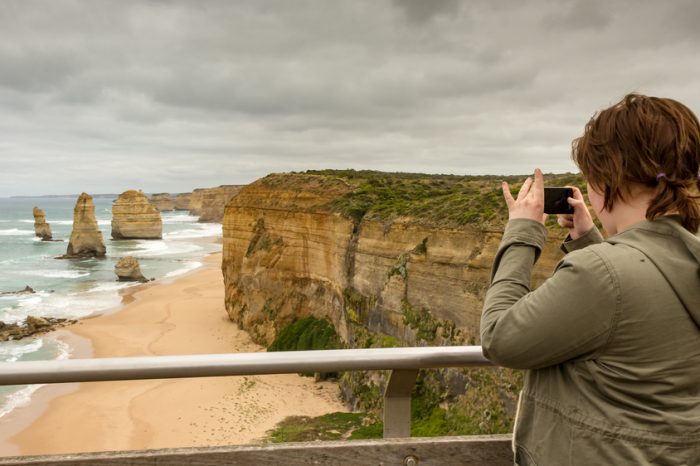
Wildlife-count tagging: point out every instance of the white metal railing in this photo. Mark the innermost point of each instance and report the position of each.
(403, 362)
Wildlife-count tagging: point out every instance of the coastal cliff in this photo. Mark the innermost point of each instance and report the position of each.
(182, 201)
(166, 202)
(162, 201)
(206, 203)
(291, 250)
(195, 204)
(283, 257)
(134, 217)
(213, 202)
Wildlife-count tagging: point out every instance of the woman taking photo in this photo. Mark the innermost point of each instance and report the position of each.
(611, 341)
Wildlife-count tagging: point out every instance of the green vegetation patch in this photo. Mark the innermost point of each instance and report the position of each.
(305, 334)
(333, 426)
(486, 407)
(420, 320)
(437, 200)
(401, 267)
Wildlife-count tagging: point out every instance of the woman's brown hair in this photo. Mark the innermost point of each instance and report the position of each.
(646, 140)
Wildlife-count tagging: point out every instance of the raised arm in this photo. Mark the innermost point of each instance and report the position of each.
(569, 316)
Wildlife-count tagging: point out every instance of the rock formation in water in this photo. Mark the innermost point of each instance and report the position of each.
(162, 201)
(85, 239)
(134, 217)
(31, 326)
(127, 269)
(26, 290)
(41, 228)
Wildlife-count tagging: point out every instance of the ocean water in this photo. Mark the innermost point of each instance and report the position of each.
(78, 288)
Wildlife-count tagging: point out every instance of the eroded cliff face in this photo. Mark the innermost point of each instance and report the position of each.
(134, 217)
(287, 255)
(182, 201)
(195, 204)
(213, 202)
(283, 260)
(164, 202)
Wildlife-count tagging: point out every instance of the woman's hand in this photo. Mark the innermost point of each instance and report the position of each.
(580, 222)
(530, 201)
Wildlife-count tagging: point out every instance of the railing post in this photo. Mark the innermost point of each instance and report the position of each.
(397, 403)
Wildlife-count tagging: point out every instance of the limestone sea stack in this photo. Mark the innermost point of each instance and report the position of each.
(134, 217)
(85, 239)
(41, 228)
(128, 269)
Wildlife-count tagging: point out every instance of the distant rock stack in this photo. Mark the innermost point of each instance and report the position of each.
(163, 202)
(128, 269)
(85, 239)
(134, 217)
(41, 228)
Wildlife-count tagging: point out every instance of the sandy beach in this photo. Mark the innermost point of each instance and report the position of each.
(185, 315)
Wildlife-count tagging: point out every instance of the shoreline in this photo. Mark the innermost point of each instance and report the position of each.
(184, 314)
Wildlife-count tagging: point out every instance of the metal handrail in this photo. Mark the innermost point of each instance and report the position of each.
(403, 363)
(211, 365)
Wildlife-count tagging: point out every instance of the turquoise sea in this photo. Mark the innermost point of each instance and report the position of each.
(78, 288)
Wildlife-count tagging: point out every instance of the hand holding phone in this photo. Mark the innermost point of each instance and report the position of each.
(580, 221)
(555, 200)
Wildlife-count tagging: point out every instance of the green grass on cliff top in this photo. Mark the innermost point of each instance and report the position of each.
(437, 200)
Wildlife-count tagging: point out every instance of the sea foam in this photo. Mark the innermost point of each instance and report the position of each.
(54, 273)
(188, 267)
(15, 232)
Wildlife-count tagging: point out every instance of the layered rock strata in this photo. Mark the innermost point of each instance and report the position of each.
(41, 228)
(85, 239)
(182, 201)
(134, 217)
(214, 201)
(162, 201)
(195, 204)
(128, 269)
(286, 255)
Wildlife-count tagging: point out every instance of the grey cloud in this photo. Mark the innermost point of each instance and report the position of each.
(580, 14)
(35, 71)
(178, 94)
(420, 11)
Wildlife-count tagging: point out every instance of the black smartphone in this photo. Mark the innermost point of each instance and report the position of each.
(555, 200)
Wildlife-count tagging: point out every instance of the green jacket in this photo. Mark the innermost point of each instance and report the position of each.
(611, 344)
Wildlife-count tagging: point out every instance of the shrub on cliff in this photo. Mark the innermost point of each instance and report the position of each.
(308, 333)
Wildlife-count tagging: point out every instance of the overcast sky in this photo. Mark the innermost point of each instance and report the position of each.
(103, 96)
